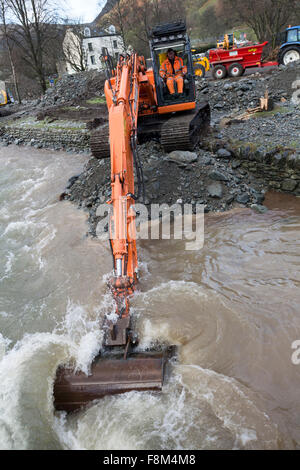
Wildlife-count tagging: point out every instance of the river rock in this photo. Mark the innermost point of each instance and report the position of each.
(218, 176)
(223, 153)
(259, 208)
(215, 190)
(181, 156)
(235, 164)
(243, 198)
(72, 181)
(289, 185)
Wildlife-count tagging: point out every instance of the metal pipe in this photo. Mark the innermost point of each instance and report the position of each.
(119, 267)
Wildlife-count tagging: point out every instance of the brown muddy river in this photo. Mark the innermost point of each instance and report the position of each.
(232, 308)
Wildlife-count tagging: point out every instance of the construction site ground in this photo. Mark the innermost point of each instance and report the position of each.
(212, 176)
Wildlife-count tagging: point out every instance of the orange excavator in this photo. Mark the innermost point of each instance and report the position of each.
(139, 106)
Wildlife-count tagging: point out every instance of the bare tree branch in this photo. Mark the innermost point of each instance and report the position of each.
(3, 12)
(73, 49)
(35, 27)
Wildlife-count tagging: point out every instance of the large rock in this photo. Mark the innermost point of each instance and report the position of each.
(289, 185)
(218, 176)
(181, 156)
(223, 153)
(215, 190)
(243, 198)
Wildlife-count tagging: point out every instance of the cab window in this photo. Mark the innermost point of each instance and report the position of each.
(293, 35)
(161, 53)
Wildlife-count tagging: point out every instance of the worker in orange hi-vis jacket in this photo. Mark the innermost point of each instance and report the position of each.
(172, 70)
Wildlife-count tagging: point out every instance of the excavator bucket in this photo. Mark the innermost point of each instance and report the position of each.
(109, 376)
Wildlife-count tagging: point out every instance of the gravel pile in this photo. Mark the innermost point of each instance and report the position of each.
(74, 88)
(280, 128)
(180, 177)
(238, 94)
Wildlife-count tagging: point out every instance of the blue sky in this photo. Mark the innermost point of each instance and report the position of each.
(86, 10)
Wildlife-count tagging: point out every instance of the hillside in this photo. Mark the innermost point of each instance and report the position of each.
(106, 9)
(207, 4)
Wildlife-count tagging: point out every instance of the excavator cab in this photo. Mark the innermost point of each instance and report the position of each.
(172, 36)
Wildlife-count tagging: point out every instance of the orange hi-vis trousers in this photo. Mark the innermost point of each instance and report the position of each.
(171, 84)
(173, 74)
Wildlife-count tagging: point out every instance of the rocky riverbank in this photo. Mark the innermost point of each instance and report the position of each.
(200, 177)
(234, 165)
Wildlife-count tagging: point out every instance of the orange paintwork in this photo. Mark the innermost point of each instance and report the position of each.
(130, 92)
(122, 96)
(176, 107)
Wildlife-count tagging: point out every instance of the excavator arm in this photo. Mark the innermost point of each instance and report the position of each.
(119, 369)
(122, 94)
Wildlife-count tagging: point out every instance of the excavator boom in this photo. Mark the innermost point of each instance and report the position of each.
(117, 370)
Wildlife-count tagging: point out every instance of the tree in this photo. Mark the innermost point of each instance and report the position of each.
(265, 17)
(34, 31)
(135, 18)
(73, 49)
(118, 17)
(3, 12)
(210, 25)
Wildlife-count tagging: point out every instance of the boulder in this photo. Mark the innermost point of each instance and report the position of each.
(215, 190)
(181, 156)
(223, 153)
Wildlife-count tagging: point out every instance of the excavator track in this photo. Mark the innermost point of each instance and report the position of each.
(99, 143)
(178, 132)
(183, 132)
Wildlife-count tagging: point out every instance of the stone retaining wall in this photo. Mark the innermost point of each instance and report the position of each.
(41, 138)
(278, 168)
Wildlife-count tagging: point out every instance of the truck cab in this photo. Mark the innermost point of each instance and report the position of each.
(290, 45)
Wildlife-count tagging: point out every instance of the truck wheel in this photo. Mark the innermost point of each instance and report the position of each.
(199, 71)
(235, 70)
(289, 54)
(219, 72)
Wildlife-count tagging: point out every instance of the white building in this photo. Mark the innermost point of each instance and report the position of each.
(95, 42)
(84, 45)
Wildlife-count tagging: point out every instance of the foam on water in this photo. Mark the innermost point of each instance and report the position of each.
(191, 413)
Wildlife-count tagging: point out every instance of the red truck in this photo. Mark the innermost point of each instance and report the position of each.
(235, 61)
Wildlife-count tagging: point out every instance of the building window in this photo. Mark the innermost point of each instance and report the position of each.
(115, 44)
(87, 32)
(90, 46)
(93, 59)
